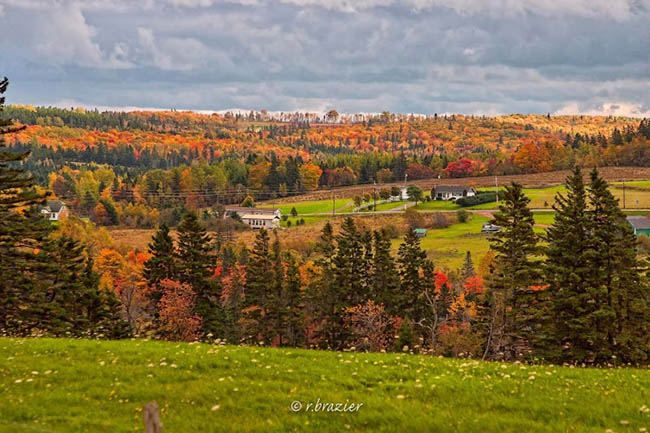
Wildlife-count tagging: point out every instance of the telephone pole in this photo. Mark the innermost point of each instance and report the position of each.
(496, 187)
(623, 194)
(333, 204)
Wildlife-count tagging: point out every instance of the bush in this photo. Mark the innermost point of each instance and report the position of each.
(413, 218)
(462, 215)
(480, 198)
(644, 243)
(392, 231)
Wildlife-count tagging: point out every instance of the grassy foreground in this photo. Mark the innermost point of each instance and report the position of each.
(64, 385)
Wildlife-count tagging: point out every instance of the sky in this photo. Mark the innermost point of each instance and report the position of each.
(484, 57)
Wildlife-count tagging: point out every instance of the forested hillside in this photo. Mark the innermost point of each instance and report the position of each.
(132, 167)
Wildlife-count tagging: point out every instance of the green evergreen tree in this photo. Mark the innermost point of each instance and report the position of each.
(323, 293)
(467, 270)
(349, 263)
(196, 263)
(619, 308)
(568, 265)
(411, 258)
(294, 299)
(162, 264)
(385, 283)
(515, 271)
(259, 279)
(22, 231)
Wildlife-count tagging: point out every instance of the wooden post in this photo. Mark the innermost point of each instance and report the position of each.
(152, 423)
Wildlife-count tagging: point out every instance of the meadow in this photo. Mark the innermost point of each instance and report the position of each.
(75, 386)
(311, 206)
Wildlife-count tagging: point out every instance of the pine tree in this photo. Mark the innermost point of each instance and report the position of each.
(512, 297)
(349, 264)
(323, 293)
(568, 266)
(196, 263)
(162, 264)
(467, 270)
(259, 278)
(276, 310)
(385, 282)
(294, 299)
(619, 311)
(411, 258)
(22, 231)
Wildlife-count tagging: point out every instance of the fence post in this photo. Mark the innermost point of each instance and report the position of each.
(152, 423)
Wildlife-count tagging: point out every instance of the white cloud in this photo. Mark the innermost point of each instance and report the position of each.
(624, 109)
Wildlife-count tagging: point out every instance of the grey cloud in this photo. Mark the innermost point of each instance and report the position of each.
(365, 55)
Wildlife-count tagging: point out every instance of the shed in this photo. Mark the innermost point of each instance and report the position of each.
(640, 224)
(420, 232)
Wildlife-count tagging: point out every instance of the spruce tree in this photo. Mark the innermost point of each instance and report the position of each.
(410, 258)
(385, 282)
(467, 270)
(619, 307)
(294, 308)
(162, 264)
(323, 293)
(568, 266)
(516, 270)
(349, 265)
(196, 264)
(259, 279)
(275, 314)
(22, 231)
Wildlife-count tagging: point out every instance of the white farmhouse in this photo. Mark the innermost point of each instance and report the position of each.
(55, 210)
(450, 192)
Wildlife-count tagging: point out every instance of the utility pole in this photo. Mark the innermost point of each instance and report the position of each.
(374, 196)
(333, 204)
(496, 187)
(623, 194)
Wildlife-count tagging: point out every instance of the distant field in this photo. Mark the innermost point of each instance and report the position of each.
(307, 207)
(447, 247)
(79, 386)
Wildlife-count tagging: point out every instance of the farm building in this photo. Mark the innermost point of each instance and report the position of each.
(450, 192)
(258, 221)
(640, 224)
(229, 210)
(256, 217)
(55, 210)
(421, 233)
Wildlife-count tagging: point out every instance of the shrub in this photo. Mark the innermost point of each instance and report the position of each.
(413, 218)
(480, 198)
(462, 215)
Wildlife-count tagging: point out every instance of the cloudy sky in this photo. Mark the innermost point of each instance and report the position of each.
(409, 56)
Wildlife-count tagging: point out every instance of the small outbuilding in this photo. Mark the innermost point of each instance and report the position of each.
(640, 224)
(421, 233)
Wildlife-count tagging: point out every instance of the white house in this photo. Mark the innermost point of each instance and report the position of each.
(258, 221)
(55, 210)
(450, 192)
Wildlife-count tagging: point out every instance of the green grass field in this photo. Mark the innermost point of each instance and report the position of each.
(308, 207)
(66, 386)
(447, 247)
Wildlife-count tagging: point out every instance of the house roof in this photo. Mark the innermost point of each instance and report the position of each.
(420, 231)
(249, 216)
(454, 189)
(639, 222)
(54, 205)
